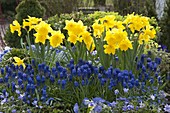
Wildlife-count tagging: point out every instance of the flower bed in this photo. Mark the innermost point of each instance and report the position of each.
(103, 69)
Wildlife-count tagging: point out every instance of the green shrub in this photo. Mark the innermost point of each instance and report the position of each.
(29, 7)
(164, 67)
(58, 22)
(100, 14)
(13, 40)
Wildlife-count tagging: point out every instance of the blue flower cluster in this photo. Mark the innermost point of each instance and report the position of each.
(163, 48)
(39, 83)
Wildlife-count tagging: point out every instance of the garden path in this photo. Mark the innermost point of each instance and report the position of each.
(3, 27)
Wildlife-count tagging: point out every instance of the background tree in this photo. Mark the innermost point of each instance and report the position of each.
(54, 7)
(150, 8)
(8, 9)
(165, 26)
(145, 7)
(99, 2)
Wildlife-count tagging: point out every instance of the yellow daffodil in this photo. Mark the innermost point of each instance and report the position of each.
(136, 22)
(34, 20)
(125, 44)
(88, 40)
(26, 24)
(72, 38)
(75, 27)
(86, 36)
(108, 21)
(115, 37)
(19, 62)
(15, 26)
(119, 35)
(150, 31)
(75, 30)
(109, 49)
(56, 39)
(42, 30)
(79, 28)
(119, 25)
(90, 47)
(40, 38)
(80, 39)
(144, 20)
(143, 38)
(69, 24)
(147, 34)
(31, 22)
(98, 29)
(109, 38)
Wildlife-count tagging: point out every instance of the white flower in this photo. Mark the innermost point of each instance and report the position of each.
(7, 48)
(152, 97)
(91, 105)
(94, 52)
(167, 108)
(159, 110)
(86, 101)
(4, 101)
(116, 91)
(125, 90)
(142, 105)
(17, 86)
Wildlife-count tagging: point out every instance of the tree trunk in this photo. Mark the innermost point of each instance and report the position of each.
(0, 9)
(2, 43)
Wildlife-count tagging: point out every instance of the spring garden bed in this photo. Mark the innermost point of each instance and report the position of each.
(109, 66)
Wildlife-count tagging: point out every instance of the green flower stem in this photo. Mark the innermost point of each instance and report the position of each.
(42, 52)
(105, 59)
(22, 44)
(121, 59)
(124, 60)
(29, 44)
(84, 92)
(76, 92)
(135, 48)
(48, 49)
(79, 51)
(106, 90)
(84, 51)
(37, 52)
(141, 49)
(70, 51)
(53, 58)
